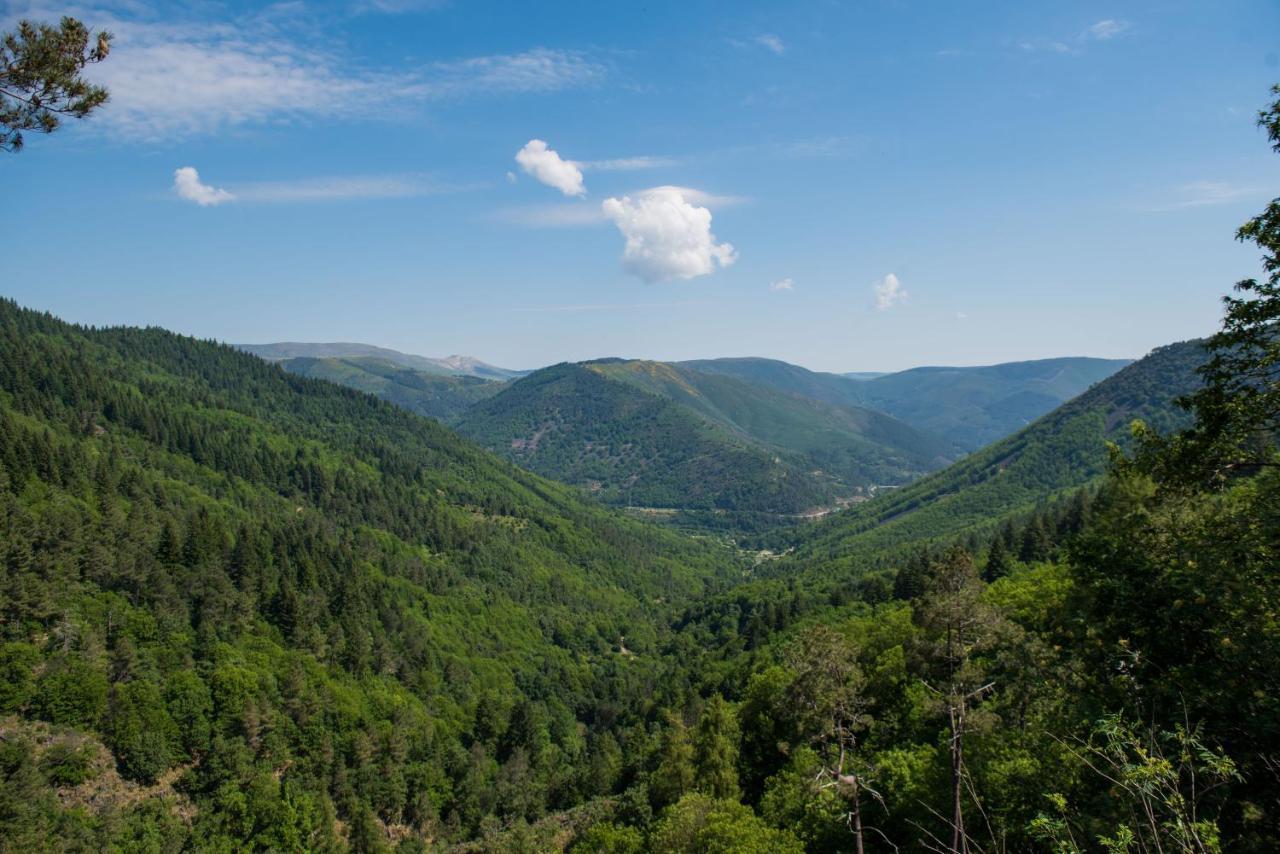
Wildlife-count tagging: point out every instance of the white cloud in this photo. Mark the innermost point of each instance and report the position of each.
(511, 177)
(782, 285)
(771, 43)
(545, 165)
(889, 292)
(1107, 29)
(667, 236)
(175, 73)
(186, 183)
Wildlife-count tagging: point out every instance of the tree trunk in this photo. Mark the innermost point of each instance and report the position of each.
(856, 812)
(959, 842)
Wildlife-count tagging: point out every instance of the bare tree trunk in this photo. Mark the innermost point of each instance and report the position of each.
(959, 842)
(856, 811)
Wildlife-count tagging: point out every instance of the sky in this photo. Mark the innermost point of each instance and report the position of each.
(860, 186)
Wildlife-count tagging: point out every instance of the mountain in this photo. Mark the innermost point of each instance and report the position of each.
(243, 609)
(467, 366)
(660, 435)
(1058, 452)
(434, 395)
(976, 406)
(968, 406)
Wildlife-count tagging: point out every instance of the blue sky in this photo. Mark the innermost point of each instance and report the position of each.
(857, 186)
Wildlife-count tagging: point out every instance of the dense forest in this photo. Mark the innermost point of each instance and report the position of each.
(243, 609)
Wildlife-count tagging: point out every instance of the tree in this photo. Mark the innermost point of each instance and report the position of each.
(715, 750)
(999, 561)
(673, 775)
(40, 78)
(958, 626)
(701, 824)
(831, 710)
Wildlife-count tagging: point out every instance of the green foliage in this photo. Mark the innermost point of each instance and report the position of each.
(304, 594)
(68, 762)
(40, 77)
(715, 751)
(702, 824)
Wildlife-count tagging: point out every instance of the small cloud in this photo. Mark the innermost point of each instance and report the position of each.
(1107, 29)
(511, 177)
(667, 236)
(771, 43)
(547, 167)
(782, 285)
(960, 315)
(889, 292)
(186, 183)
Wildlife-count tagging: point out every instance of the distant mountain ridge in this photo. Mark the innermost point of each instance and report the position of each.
(1060, 451)
(971, 406)
(463, 366)
(662, 435)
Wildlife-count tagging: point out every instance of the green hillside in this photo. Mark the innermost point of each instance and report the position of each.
(657, 435)
(294, 614)
(969, 407)
(976, 406)
(452, 366)
(628, 446)
(435, 395)
(1061, 451)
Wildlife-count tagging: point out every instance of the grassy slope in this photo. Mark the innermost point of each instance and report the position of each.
(434, 395)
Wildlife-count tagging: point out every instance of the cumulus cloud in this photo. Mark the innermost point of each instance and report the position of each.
(187, 184)
(1107, 29)
(782, 285)
(667, 236)
(546, 166)
(889, 292)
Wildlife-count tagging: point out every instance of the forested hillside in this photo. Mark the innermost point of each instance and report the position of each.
(653, 434)
(1062, 451)
(294, 614)
(969, 407)
(435, 395)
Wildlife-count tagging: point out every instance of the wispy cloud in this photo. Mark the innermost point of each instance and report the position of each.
(782, 285)
(628, 164)
(768, 41)
(1106, 29)
(567, 215)
(888, 292)
(182, 76)
(1202, 193)
(188, 185)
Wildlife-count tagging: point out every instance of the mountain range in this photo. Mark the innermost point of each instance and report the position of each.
(454, 366)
